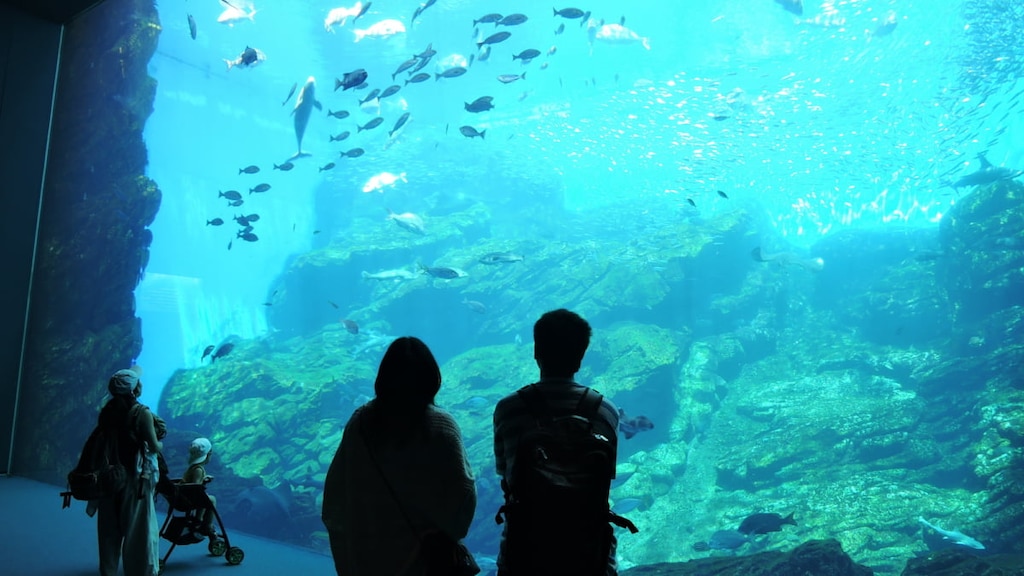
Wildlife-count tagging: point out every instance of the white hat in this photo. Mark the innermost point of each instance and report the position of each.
(199, 450)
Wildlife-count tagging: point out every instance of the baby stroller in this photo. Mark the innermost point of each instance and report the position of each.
(192, 501)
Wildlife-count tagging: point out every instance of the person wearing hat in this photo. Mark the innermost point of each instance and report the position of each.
(198, 456)
(126, 522)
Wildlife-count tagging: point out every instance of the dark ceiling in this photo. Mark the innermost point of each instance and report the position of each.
(59, 11)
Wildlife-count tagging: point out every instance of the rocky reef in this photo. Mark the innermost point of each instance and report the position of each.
(860, 397)
(93, 235)
(814, 557)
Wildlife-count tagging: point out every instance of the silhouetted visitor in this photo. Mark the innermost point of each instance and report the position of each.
(400, 473)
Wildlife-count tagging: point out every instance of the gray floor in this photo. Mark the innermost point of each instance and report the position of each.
(38, 538)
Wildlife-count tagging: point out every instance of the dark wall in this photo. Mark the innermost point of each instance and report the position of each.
(28, 66)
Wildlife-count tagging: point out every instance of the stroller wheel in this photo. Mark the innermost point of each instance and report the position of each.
(235, 555)
(217, 547)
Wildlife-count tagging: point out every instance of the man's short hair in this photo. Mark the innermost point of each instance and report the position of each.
(560, 339)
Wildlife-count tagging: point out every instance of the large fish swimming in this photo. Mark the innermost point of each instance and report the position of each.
(303, 108)
(987, 174)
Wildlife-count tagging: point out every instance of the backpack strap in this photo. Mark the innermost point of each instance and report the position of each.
(534, 400)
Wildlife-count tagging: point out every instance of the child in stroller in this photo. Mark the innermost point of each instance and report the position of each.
(189, 496)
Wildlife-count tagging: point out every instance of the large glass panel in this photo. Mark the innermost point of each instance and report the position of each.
(796, 230)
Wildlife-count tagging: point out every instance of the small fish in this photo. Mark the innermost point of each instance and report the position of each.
(192, 26)
(422, 8)
(481, 104)
(253, 169)
(223, 351)
(260, 188)
(236, 203)
(350, 325)
(253, 218)
(570, 13)
(215, 222)
(230, 195)
(247, 59)
(373, 94)
(353, 153)
(723, 195)
(500, 258)
(230, 242)
(408, 220)
(405, 66)
(722, 540)
(390, 90)
(327, 166)
(552, 50)
(268, 304)
(208, 349)
(470, 132)
(351, 79)
(242, 220)
(427, 53)
(362, 11)
(341, 136)
(494, 39)
(512, 20)
(290, 93)
(248, 236)
(691, 202)
(631, 426)
(440, 272)
(488, 19)
(450, 73)
(509, 78)
(401, 122)
(284, 167)
(526, 55)
(371, 124)
(475, 306)
(418, 78)
(333, 305)
(485, 53)
(560, 29)
(764, 523)
(340, 114)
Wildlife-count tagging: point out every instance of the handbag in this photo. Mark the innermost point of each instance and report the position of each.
(441, 554)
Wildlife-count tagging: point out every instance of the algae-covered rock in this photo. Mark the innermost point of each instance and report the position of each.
(814, 557)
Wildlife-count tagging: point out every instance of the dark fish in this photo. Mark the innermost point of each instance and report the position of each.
(422, 8)
(423, 62)
(406, 65)
(764, 523)
(223, 351)
(333, 305)
(242, 220)
(390, 90)
(215, 222)
(719, 117)
(373, 94)
(722, 540)
(230, 242)
(249, 169)
(353, 153)
(450, 73)
(327, 166)
(284, 167)
(512, 20)
(586, 18)
(631, 426)
(248, 236)
(509, 78)
(487, 19)
(260, 188)
(793, 6)
(481, 104)
(268, 303)
(570, 13)
(290, 92)
(192, 26)
(500, 258)
(440, 272)
(560, 29)
(418, 78)
(340, 137)
(362, 11)
(253, 217)
(371, 124)
(340, 114)
(236, 203)
(494, 38)
(401, 122)
(691, 202)
(723, 195)
(470, 132)
(526, 55)
(351, 79)
(350, 325)
(987, 174)
(475, 306)
(428, 53)
(245, 230)
(208, 349)
(230, 195)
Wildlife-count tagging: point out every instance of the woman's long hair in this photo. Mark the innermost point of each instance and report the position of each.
(408, 379)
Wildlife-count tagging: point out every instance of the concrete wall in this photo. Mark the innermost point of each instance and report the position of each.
(28, 66)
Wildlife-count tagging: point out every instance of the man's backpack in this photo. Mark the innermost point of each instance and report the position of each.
(99, 473)
(556, 494)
